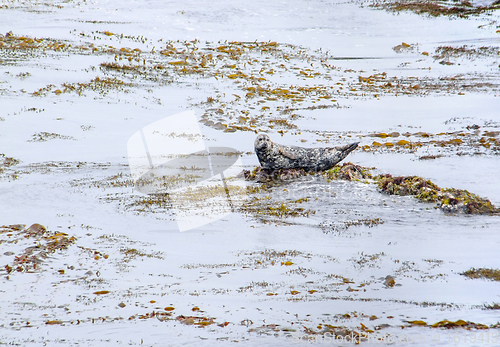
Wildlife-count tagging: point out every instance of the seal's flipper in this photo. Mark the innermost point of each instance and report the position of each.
(286, 152)
(345, 150)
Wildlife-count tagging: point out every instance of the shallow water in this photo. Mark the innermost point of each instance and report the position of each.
(268, 277)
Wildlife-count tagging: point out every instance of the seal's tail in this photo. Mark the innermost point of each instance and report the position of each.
(345, 150)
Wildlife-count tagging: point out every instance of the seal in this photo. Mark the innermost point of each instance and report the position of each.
(273, 156)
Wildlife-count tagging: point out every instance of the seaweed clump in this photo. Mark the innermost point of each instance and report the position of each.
(449, 200)
(45, 136)
(450, 324)
(6, 162)
(491, 274)
(348, 171)
(47, 242)
(459, 324)
(464, 9)
(264, 208)
(423, 189)
(262, 175)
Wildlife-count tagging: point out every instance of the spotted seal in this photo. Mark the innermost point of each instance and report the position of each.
(273, 156)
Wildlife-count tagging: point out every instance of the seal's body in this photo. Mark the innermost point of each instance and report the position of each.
(273, 156)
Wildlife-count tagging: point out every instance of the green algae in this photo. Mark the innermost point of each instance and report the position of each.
(348, 171)
(424, 190)
(460, 200)
(449, 200)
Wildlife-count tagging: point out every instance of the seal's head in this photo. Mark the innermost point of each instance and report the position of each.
(262, 142)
